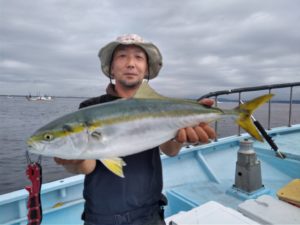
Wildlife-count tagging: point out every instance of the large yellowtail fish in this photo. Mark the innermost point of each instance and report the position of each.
(127, 126)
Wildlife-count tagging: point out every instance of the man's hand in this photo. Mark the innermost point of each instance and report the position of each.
(200, 133)
(77, 166)
(64, 162)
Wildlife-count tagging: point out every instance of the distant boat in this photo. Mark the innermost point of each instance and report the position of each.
(39, 98)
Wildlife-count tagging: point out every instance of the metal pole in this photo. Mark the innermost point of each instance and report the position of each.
(269, 113)
(216, 123)
(239, 128)
(290, 110)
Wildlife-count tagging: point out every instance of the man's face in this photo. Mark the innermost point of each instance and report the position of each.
(129, 65)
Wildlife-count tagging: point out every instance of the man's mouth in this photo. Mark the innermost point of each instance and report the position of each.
(130, 74)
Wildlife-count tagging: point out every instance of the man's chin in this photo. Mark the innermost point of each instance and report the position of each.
(131, 84)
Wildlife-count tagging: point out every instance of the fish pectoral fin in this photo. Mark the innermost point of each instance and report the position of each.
(96, 135)
(115, 165)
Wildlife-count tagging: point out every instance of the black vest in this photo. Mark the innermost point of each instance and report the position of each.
(107, 194)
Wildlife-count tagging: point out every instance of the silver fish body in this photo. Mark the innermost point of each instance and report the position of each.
(120, 128)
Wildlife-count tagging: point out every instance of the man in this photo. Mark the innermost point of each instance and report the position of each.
(137, 198)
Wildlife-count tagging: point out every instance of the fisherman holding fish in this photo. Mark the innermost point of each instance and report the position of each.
(137, 198)
(116, 139)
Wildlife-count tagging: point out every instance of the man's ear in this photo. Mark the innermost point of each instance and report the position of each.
(111, 72)
(146, 76)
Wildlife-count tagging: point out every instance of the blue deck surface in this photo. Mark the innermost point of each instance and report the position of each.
(198, 175)
(206, 173)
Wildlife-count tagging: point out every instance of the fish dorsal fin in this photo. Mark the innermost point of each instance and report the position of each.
(145, 91)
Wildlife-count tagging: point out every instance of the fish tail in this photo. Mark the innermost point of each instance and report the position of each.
(245, 111)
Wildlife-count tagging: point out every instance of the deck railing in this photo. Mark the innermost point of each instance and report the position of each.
(240, 91)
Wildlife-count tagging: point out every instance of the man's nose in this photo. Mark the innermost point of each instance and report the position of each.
(130, 62)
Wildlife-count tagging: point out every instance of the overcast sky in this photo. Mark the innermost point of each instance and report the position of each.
(51, 46)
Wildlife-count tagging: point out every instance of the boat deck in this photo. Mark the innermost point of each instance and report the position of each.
(206, 173)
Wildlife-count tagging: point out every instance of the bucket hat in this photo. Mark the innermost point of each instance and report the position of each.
(153, 53)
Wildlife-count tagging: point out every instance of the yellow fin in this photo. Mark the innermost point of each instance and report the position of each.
(115, 165)
(145, 91)
(246, 109)
(57, 205)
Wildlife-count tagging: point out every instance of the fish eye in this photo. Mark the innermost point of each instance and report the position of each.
(48, 137)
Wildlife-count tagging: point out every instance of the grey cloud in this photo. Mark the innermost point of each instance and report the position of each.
(207, 45)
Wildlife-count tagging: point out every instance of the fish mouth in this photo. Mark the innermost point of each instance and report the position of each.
(34, 147)
(31, 144)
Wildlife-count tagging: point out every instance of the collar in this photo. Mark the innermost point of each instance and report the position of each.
(110, 90)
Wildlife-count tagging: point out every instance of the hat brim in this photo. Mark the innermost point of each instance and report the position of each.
(153, 53)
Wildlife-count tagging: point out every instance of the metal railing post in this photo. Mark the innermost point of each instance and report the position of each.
(216, 123)
(269, 113)
(290, 108)
(239, 128)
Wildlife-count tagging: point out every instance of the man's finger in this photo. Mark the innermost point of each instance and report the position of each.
(203, 137)
(191, 134)
(209, 131)
(181, 136)
(207, 101)
(60, 161)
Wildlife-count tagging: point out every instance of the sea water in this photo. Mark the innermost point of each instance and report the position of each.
(19, 119)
